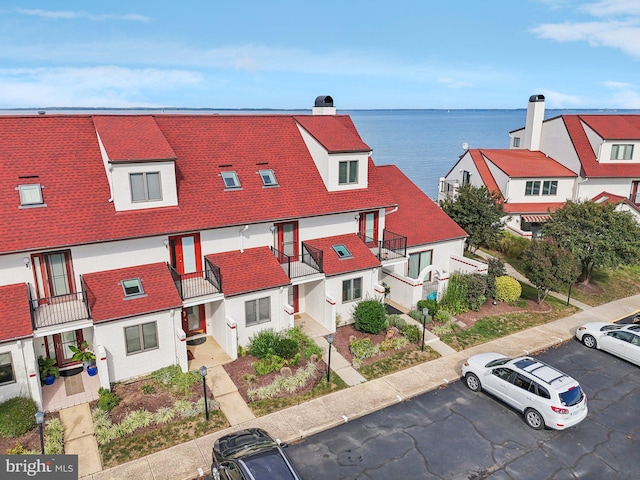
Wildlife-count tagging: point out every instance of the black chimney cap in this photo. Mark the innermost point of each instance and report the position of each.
(324, 101)
(536, 98)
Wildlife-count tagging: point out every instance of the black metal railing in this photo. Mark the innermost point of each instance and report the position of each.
(59, 309)
(308, 263)
(197, 284)
(391, 246)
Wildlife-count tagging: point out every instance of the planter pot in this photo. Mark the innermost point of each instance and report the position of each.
(92, 370)
(49, 380)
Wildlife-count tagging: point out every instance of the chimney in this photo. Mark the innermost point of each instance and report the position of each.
(533, 127)
(324, 106)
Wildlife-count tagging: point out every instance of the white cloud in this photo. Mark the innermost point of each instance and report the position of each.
(451, 83)
(69, 15)
(612, 7)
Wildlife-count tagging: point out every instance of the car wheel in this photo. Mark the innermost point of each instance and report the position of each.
(533, 419)
(589, 341)
(473, 382)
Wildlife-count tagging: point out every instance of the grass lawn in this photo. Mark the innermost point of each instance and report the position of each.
(398, 361)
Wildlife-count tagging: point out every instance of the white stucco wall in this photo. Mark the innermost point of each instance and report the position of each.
(334, 289)
(122, 189)
(589, 188)
(517, 187)
(557, 144)
(25, 370)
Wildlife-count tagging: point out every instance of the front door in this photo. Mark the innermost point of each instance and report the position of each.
(193, 320)
(369, 228)
(185, 253)
(57, 346)
(287, 240)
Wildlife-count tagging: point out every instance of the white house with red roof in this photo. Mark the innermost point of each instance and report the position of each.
(143, 234)
(568, 157)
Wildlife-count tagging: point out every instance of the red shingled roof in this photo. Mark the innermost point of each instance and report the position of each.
(15, 314)
(106, 295)
(541, 207)
(361, 257)
(614, 127)
(526, 164)
(418, 218)
(249, 271)
(62, 151)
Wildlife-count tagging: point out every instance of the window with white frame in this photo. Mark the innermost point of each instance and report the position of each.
(257, 311)
(132, 287)
(549, 187)
(140, 338)
(268, 178)
(145, 187)
(30, 195)
(516, 142)
(351, 289)
(7, 374)
(621, 151)
(348, 172)
(342, 251)
(532, 187)
(418, 262)
(230, 180)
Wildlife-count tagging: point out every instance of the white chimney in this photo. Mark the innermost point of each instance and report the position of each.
(324, 106)
(533, 127)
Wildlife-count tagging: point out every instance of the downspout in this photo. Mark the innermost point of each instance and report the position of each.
(242, 230)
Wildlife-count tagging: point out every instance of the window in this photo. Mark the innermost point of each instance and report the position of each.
(257, 311)
(6, 369)
(466, 177)
(351, 290)
(230, 180)
(140, 338)
(502, 372)
(268, 178)
(532, 188)
(348, 172)
(523, 382)
(132, 287)
(549, 187)
(621, 152)
(30, 195)
(145, 187)
(342, 251)
(418, 262)
(516, 142)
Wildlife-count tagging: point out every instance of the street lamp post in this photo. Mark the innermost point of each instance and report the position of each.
(330, 340)
(203, 372)
(40, 422)
(425, 312)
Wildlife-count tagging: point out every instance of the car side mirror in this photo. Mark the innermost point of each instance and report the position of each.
(215, 473)
(281, 444)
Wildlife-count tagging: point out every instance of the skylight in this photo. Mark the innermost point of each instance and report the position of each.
(342, 251)
(132, 287)
(230, 179)
(30, 195)
(268, 178)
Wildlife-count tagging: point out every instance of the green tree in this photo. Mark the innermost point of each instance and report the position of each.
(596, 234)
(549, 267)
(478, 211)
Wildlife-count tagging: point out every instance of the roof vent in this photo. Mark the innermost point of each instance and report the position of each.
(324, 101)
(536, 98)
(324, 106)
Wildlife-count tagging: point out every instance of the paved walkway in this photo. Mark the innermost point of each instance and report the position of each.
(79, 438)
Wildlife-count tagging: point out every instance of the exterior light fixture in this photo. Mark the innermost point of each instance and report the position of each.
(330, 341)
(203, 372)
(425, 313)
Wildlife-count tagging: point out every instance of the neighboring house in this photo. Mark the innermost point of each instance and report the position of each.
(549, 162)
(138, 233)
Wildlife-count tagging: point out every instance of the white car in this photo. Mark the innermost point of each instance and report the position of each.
(545, 395)
(620, 340)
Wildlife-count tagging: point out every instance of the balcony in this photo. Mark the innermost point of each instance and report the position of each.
(448, 189)
(50, 311)
(197, 284)
(309, 263)
(391, 246)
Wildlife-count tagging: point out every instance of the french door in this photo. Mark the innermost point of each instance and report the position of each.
(57, 346)
(53, 275)
(369, 228)
(287, 240)
(185, 253)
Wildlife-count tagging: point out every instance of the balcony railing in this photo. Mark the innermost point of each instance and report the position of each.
(197, 284)
(308, 263)
(50, 311)
(391, 246)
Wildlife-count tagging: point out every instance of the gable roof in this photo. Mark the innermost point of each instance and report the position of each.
(418, 217)
(532, 208)
(361, 257)
(15, 314)
(106, 296)
(61, 153)
(526, 164)
(249, 271)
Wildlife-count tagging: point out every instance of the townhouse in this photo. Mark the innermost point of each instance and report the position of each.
(144, 235)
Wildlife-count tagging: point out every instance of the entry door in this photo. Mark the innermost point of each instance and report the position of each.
(369, 228)
(193, 320)
(293, 298)
(57, 346)
(53, 274)
(287, 240)
(185, 253)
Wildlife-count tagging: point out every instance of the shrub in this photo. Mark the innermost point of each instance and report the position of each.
(285, 383)
(20, 450)
(416, 315)
(54, 437)
(444, 329)
(148, 389)
(476, 289)
(396, 321)
(264, 343)
(363, 348)
(17, 416)
(508, 289)
(286, 348)
(174, 379)
(269, 364)
(107, 400)
(412, 333)
(443, 316)
(455, 298)
(432, 305)
(306, 346)
(370, 316)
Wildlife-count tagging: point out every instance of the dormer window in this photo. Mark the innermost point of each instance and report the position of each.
(145, 187)
(268, 178)
(230, 180)
(132, 287)
(30, 195)
(342, 251)
(621, 152)
(348, 172)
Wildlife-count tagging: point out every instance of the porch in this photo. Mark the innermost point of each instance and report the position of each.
(68, 391)
(205, 351)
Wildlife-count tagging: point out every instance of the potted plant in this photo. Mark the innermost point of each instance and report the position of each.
(92, 369)
(83, 354)
(48, 370)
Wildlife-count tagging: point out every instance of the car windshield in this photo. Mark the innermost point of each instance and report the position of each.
(499, 361)
(268, 465)
(571, 397)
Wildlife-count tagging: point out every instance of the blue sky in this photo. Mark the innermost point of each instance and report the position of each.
(282, 54)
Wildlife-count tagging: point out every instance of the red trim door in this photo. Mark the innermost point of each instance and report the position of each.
(53, 274)
(193, 320)
(293, 298)
(635, 192)
(57, 346)
(185, 253)
(287, 239)
(369, 228)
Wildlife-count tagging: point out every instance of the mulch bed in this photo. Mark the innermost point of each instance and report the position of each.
(30, 440)
(488, 309)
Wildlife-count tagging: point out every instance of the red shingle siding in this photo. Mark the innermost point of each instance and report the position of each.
(15, 314)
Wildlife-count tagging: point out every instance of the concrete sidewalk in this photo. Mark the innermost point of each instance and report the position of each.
(298, 422)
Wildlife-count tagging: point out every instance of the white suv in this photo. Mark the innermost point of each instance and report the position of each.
(547, 396)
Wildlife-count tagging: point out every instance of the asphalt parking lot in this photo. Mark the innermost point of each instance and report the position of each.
(453, 433)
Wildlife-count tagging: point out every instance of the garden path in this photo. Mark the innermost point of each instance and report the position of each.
(79, 438)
